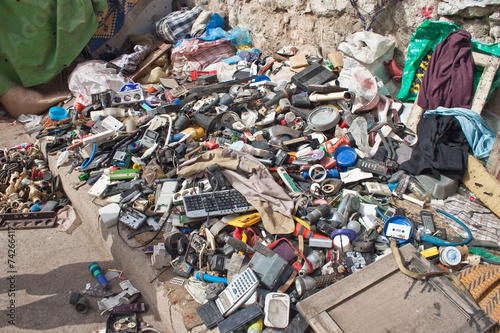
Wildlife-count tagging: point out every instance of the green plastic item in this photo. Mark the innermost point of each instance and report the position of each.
(422, 44)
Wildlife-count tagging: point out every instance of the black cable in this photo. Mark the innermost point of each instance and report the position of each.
(130, 138)
(149, 241)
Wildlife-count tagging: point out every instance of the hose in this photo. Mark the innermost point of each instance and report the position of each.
(440, 242)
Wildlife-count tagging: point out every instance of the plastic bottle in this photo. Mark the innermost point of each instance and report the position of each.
(417, 189)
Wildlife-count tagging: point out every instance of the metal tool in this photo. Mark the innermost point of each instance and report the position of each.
(73, 166)
(76, 187)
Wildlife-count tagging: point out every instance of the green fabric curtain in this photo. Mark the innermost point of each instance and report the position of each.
(39, 38)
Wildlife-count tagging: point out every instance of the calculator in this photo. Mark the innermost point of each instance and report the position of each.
(237, 292)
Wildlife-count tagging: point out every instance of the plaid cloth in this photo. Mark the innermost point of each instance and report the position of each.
(196, 54)
(177, 25)
(481, 221)
(128, 62)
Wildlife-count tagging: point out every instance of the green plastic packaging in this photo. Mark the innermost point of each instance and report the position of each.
(422, 44)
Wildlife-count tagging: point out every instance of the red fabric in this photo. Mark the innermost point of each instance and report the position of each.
(394, 70)
(448, 80)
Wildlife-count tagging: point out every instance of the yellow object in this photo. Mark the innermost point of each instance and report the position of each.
(199, 132)
(244, 47)
(256, 327)
(244, 239)
(304, 223)
(431, 252)
(245, 221)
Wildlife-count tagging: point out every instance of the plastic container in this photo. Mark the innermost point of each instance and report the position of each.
(345, 157)
(58, 113)
(393, 222)
(417, 189)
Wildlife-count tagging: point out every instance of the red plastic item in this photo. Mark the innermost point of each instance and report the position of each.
(343, 124)
(306, 233)
(25, 145)
(346, 139)
(328, 162)
(211, 145)
(195, 73)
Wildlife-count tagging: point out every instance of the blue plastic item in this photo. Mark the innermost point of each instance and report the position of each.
(36, 208)
(214, 34)
(331, 173)
(211, 278)
(262, 78)
(130, 86)
(401, 220)
(348, 232)
(58, 113)
(96, 271)
(216, 21)
(345, 157)
(240, 36)
(441, 242)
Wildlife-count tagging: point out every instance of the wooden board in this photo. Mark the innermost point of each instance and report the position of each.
(484, 185)
(490, 65)
(414, 117)
(493, 165)
(162, 49)
(379, 298)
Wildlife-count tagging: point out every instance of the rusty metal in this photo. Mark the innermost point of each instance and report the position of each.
(31, 220)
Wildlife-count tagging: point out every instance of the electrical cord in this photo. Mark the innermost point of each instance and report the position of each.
(89, 160)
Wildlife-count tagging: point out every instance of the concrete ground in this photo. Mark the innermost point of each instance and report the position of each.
(47, 265)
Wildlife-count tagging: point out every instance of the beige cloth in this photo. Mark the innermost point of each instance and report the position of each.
(34, 100)
(251, 178)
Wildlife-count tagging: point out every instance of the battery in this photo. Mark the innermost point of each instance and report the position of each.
(326, 243)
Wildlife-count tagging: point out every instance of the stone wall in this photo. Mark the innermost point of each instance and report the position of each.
(276, 23)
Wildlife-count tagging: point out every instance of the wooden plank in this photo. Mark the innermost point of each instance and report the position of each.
(491, 65)
(315, 304)
(162, 49)
(484, 185)
(323, 323)
(480, 59)
(396, 302)
(414, 117)
(493, 165)
(484, 86)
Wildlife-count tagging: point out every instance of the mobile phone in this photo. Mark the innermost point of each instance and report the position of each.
(427, 222)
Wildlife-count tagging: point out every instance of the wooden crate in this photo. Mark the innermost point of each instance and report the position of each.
(379, 298)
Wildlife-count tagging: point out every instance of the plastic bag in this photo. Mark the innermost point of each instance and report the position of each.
(93, 77)
(29, 120)
(422, 43)
(214, 34)
(216, 21)
(240, 36)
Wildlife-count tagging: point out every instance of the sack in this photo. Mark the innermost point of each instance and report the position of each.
(196, 54)
(177, 25)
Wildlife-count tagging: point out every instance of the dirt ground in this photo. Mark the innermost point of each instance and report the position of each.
(47, 265)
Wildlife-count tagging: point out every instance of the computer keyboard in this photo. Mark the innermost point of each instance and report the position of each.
(215, 203)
